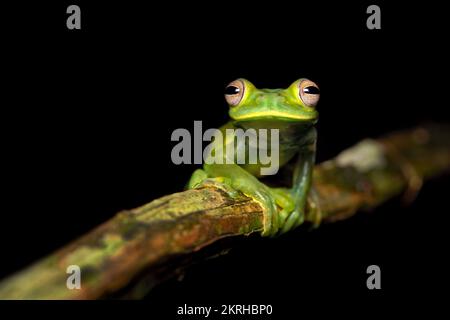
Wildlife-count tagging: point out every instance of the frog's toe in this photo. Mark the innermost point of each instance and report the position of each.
(271, 217)
(283, 198)
(294, 219)
(198, 177)
(283, 216)
(223, 183)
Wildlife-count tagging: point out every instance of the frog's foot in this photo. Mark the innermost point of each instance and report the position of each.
(284, 201)
(223, 183)
(200, 179)
(250, 187)
(261, 193)
(291, 214)
(196, 179)
(295, 218)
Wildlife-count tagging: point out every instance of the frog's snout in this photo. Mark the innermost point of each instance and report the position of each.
(271, 100)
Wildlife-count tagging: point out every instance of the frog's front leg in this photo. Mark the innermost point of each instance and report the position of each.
(302, 180)
(239, 179)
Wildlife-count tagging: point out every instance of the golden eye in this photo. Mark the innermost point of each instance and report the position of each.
(309, 93)
(234, 92)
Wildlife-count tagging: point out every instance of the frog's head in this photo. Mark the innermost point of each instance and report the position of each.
(294, 104)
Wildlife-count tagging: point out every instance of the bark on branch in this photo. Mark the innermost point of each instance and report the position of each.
(143, 242)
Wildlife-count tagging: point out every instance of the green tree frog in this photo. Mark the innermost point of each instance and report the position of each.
(293, 112)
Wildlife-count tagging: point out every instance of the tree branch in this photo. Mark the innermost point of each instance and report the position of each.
(147, 241)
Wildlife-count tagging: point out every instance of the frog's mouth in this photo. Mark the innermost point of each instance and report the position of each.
(274, 122)
(274, 115)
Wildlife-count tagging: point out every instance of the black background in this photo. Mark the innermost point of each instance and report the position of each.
(87, 117)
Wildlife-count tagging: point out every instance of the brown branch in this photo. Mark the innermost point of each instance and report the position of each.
(143, 242)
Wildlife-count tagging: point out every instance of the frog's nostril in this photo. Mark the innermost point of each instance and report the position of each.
(280, 97)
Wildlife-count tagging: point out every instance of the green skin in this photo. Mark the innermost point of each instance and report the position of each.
(285, 110)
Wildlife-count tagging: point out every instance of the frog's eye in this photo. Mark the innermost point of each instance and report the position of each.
(234, 92)
(309, 93)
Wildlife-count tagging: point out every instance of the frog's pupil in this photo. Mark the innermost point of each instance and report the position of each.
(311, 90)
(230, 90)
